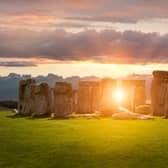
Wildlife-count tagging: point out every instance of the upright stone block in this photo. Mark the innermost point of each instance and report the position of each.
(34, 99)
(108, 103)
(159, 91)
(127, 94)
(166, 101)
(96, 96)
(155, 87)
(42, 100)
(84, 97)
(63, 100)
(134, 93)
(140, 92)
(88, 96)
(75, 100)
(25, 96)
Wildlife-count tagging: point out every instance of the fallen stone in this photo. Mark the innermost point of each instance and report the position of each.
(124, 114)
(143, 109)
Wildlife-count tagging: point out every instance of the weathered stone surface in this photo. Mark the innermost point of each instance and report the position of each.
(160, 74)
(96, 97)
(143, 109)
(75, 100)
(88, 96)
(84, 97)
(34, 99)
(63, 100)
(25, 97)
(140, 92)
(166, 102)
(42, 100)
(155, 87)
(108, 104)
(159, 93)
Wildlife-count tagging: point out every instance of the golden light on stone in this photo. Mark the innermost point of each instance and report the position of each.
(119, 95)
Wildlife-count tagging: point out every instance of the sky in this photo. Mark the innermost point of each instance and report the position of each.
(83, 37)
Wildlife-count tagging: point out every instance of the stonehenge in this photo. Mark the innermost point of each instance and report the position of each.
(93, 96)
(38, 99)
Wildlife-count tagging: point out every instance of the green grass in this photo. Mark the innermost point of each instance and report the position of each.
(82, 143)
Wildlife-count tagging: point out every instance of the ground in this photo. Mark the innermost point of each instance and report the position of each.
(82, 143)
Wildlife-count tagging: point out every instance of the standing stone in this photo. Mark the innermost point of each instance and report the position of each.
(42, 100)
(155, 87)
(166, 101)
(108, 103)
(96, 96)
(88, 96)
(25, 97)
(134, 93)
(162, 99)
(128, 97)
(159, 93)
(75, 100)
(84, 97)
(63, 100)
(140, 93)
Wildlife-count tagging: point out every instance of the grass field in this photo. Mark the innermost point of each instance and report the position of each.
(82, 143)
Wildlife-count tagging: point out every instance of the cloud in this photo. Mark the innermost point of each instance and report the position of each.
(38, 23)
(108, 46)
(90, 10)
(17, 64)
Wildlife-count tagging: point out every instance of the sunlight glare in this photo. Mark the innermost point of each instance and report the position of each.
(119, 95)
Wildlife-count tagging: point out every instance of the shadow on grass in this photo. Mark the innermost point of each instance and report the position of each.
(47, 116)
(16, 116)
(13, 116)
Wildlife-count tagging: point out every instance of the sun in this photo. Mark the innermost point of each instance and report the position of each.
(119, 95)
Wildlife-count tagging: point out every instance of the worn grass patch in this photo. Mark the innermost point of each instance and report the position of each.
(82, 143)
